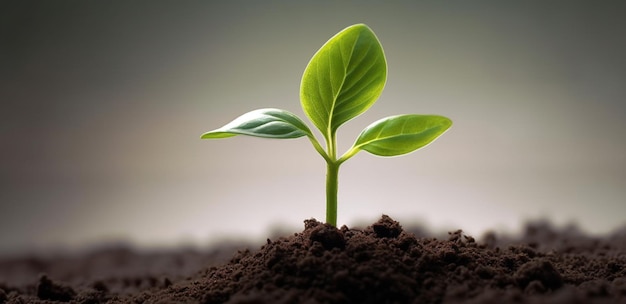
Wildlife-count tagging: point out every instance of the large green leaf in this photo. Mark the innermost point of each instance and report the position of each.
(344, 78)
(397, 135)
(269, 123)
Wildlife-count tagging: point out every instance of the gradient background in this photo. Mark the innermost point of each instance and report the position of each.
(103, 104)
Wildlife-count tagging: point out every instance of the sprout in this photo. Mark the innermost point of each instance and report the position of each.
(343, 79)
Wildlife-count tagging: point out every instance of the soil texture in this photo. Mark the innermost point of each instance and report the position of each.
(382, 263)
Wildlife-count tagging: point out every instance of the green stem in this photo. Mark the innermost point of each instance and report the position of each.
(353, 151)
(319, 148)
(332, 184)
(332, 178)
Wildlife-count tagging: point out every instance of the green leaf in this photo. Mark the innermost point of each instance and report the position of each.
(397, 135)
(344, 78)
(268, 123)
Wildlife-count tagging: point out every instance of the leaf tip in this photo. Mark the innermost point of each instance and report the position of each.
(216, 134)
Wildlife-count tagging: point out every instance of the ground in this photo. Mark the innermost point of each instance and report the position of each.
(382, 263)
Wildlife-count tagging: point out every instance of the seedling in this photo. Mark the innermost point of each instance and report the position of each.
(342, 80)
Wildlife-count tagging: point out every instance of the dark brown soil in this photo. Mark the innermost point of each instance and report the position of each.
(379, 264)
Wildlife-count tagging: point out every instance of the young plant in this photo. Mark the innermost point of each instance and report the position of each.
(342, 80)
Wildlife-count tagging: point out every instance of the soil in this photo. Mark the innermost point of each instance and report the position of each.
(382, 263)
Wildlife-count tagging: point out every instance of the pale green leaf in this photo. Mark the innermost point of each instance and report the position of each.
(397, 135)
(344, 78)
(268, 123)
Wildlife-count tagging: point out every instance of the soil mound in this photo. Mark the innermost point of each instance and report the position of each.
(382, 263)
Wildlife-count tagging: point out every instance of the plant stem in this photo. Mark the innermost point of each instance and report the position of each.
(332, 184)
(332, 174)
(332, 177)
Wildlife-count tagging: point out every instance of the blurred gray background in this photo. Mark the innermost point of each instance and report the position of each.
(103, 104)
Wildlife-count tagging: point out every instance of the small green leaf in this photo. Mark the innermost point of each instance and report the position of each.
(268, 123)
(344, 78)
(397, 135)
